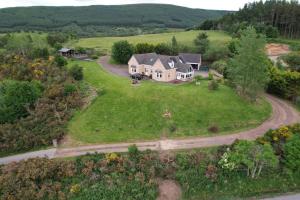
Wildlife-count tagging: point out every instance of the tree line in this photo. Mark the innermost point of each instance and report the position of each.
(267, 17)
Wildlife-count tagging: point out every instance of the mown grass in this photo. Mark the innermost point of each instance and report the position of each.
(184, 37)
(123, 112)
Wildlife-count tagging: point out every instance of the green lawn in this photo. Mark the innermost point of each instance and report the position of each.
(128, 113)
(185, 37)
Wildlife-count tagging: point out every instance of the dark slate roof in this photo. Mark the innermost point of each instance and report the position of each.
(190, 57)
(146, 59)
(184, 68)
(168, 62)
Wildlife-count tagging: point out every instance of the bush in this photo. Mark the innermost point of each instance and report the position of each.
(163, 49)
(122, 51)
(285, 84)
(141, 48)
(94, 57)
(60, 61)
(76, 72)
(213, 129)
(220, 66)
(292, 153)
(69, 89)
(293, 60)
(215, 53)
(16, 97)
(213, 85)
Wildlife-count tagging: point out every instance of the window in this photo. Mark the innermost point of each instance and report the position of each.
(133, 69)
(182, 76)
(158, 74)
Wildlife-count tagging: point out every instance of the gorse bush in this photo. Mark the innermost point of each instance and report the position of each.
(76, 72)
(39, 116)
(242, 170)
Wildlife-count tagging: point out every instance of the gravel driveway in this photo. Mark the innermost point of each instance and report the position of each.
(120, 70)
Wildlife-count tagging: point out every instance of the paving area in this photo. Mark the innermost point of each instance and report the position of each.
(120, 70)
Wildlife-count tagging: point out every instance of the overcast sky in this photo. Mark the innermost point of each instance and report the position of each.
(206, 4)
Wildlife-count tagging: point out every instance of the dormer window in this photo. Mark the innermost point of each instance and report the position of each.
(171, 64)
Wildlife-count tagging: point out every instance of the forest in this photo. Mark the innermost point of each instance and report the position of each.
(282, 15)
(103, 19)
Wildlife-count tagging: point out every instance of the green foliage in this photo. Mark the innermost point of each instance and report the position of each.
(163, 49)
(16, 97)
(293, 60)
(112, 20)
(248, 69)
(220, 66)
(40, 53)
(285, 84)
(292, 152)
(69, 89)
(141, 48)
(232, 46)
(56, 38)
(76, 72)
(261, 16)
(255, 157)
(215, 53)
(202, 43)
(122, 51)
(47, 119)
(60, 61)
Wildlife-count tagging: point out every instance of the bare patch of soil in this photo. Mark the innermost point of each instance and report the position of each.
(274, 49)
(169, 190)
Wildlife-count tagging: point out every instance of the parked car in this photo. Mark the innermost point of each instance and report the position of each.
(137, 76)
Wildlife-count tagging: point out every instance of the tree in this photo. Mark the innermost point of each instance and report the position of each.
(76, 72)
(56, 38)
(249, 68)
(163, 49)
(141, 48)
(16, 97)
(40, 53)
(202, 43)
(21, 44)
(174, 46)
(292, 153)
(122, 51)
(255, 157)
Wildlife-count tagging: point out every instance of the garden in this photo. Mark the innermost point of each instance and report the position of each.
(123, 112)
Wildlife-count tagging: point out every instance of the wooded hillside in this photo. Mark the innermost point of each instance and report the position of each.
(137, 15)
(281, 14)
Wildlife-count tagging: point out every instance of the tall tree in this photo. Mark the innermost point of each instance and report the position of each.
(248, 68)
(122, 51)
(202, 43)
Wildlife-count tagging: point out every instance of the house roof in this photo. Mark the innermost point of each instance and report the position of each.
(169, 62)
(190, 57)
(64, 50)
(146, 59)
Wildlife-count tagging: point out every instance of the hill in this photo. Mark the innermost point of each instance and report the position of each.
(98, 17)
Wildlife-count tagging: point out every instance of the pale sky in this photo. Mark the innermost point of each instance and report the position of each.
(205, 4)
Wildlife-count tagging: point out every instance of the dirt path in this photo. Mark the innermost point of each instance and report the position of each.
(283, 114)
(120, 70)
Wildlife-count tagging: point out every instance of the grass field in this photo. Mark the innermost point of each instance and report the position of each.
(185, 37)
(129, 113)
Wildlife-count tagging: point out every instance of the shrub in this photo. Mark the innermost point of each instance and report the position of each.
(122, 51)
(60, 61)
(219, 66)
(173, 128)
(163, 49)
(16, 97)
(213, 129)
(141, 48)
(213, 85)
(69, 89)
(285, 84)
(292, 153)
(76, 72)
(94, 57)
(251, 156)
